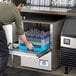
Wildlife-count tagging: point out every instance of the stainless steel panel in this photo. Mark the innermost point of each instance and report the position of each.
(43, 62)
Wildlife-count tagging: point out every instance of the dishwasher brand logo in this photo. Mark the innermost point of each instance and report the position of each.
(43, 63)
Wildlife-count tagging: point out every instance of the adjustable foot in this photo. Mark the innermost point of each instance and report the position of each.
(66, 70)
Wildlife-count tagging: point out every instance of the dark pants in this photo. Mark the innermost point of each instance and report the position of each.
(4, 52)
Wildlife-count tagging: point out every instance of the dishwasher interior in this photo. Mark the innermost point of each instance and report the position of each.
(43, 32)
(38, 34)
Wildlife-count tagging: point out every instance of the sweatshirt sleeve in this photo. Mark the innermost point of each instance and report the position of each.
(18, 22)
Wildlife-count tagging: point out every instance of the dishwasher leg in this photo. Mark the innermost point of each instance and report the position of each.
(66, 70)
(12, 59)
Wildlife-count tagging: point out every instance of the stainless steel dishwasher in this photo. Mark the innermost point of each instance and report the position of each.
(45, 59)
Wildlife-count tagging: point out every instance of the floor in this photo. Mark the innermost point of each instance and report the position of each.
(60, 71)
(24, 72)
(27, 72)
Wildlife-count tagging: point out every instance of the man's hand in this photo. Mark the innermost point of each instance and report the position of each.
(30, 46)
(24, 40)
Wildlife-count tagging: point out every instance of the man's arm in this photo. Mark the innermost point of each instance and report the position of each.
(24, 40)
(20, 30)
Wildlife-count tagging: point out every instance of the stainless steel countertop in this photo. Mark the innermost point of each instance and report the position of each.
(50, 10)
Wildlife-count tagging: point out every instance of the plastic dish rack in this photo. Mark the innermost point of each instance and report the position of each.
(40, 43)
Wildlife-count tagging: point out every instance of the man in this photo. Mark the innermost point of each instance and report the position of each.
(9, 12)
